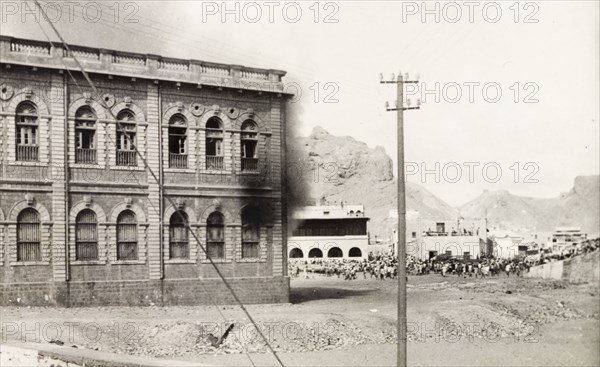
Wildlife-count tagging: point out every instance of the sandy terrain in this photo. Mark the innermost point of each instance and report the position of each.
(452, 321)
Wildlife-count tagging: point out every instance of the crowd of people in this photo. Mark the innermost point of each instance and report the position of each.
(383, 267)
(467, 268)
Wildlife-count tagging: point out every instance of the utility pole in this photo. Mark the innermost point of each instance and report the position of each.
(401, 242)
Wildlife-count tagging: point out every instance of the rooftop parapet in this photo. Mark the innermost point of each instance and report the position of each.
(42, 54)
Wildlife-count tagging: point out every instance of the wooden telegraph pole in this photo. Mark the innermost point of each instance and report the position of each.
(401, 242)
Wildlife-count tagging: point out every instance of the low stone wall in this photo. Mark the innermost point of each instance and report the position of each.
(146, 293)
(583, 268)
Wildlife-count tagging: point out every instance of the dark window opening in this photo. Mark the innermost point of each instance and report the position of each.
(355, 252)
(127, 245)
(335, 252)
(126, 139)
(315, 252)
(86, 236)
(29, 236)
(249, 144)
(178, 236)
(250, 233)
(214, 144)
(215, 236)
(26, 134)
(296, 253)
(85, 135)
(177, 142)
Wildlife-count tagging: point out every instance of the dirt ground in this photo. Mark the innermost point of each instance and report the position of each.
(331, 322)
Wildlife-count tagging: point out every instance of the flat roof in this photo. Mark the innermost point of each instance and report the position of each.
(330, 212)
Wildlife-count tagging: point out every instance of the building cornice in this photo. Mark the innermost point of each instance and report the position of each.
(40, 54)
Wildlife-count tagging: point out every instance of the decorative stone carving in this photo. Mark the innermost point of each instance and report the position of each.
(128, 101)
(88, 97)
(109, 99)
(217, 203)
(128, 202)
(87, 199)
(216, 109)
(28, 93)
(197, 109)
(30, 199)
(250, 112)
(179, 203)
(233, 113)
(179, 106)
(6, 91)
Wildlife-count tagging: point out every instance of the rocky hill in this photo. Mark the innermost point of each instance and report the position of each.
(579, 207)
(350, 171)
(330, 169)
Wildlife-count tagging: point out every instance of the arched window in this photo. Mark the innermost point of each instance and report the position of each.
(27, 139)
(86, 235)
(335, 252)
(249, 143)
(215, 236)
(355, 252)
(177, 142)
(250, 232)
(296, 253)
(315, 252)
(214, 144)
(127, 246)
(85, 135)
(179, 236)
(28, 236)
(126, 139)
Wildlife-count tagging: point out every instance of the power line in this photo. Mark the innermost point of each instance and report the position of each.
(155, 177)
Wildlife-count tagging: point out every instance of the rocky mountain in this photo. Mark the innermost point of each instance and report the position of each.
(582, 204)
(339, 169)
(331, 169)
(579, 207)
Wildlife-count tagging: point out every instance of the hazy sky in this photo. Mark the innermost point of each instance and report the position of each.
(545, 53)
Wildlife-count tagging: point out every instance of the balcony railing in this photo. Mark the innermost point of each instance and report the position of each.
(85, 156)
(151, 66)
(250, 164)
(178, 160)
(27, 153)
(126, 158)
(214, 162)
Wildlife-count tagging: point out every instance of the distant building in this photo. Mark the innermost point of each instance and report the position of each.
(564, 238)
(428, 238)
(329, 232)
(505, 244)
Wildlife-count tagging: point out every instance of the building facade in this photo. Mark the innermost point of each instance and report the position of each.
(428, 238)
(565, 238)
(338, 232)
(84, 220)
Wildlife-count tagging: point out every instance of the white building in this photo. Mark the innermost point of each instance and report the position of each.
(428, 238)
(329, 232)
(505, 243)
(565, 238)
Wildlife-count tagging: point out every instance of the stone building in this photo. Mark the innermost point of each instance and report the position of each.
(329, 231)
(84, 222)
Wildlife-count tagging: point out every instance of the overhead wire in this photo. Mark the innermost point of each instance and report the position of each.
(155, 177)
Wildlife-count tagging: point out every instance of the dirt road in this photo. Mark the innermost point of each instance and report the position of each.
(331, 322)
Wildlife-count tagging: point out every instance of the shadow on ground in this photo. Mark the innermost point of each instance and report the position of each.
(306, 294)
